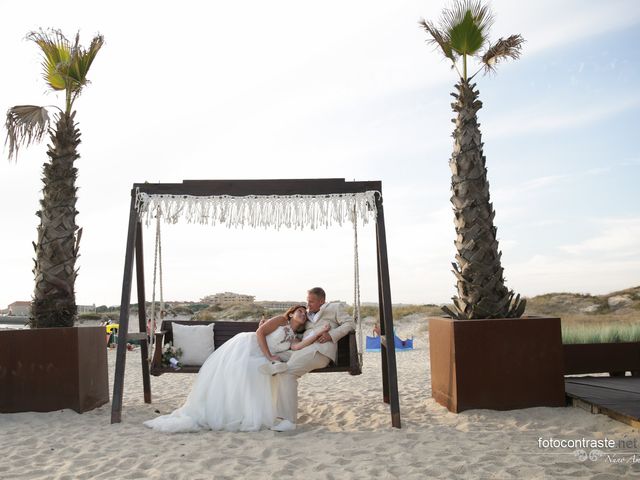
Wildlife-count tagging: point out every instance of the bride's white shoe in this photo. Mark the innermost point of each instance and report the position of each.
(284, 426)
(273, 368)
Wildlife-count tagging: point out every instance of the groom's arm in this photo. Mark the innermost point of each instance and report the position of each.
(309, 339)
(345, 324)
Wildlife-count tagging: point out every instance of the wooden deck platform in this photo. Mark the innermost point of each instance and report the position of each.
(617, 397)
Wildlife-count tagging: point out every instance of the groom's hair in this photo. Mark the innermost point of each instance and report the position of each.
(318, 292)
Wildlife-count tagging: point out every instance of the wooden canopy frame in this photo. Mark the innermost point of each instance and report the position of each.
(240, 188)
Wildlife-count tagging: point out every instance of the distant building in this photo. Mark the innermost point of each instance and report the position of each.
(20, 309)
(87, 308)
(229, 298)
(278, 305)
(23, 309)
(267, 305)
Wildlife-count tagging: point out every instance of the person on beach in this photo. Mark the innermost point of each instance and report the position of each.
(229, 393)
(327, 323)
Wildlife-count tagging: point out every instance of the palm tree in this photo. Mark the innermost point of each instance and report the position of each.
(463, 32)
(65, 66)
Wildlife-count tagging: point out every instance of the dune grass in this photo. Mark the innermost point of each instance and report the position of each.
(600, 332)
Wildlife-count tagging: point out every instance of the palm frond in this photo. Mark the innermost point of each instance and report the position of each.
(510, 47)
(25, 124)
(56, 56)
(466, 38)
(481, 16)
(82, 60)
(65, 64)
(438, 38)
(74, 82)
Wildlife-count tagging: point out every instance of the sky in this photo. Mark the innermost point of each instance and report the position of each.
(335, 89)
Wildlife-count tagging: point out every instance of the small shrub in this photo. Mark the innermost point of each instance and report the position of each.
(181, 310)
(196, 307)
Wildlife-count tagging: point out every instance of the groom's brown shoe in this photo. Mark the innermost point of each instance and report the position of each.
(273, 368)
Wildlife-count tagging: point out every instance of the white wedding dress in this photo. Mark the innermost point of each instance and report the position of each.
(229, 392)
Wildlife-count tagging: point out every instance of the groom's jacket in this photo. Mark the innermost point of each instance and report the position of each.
(341, 324)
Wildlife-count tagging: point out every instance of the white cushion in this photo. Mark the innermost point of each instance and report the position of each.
(195, 341)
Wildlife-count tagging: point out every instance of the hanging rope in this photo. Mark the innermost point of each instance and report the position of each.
(157, 268)
(356, 288)
(159, 240)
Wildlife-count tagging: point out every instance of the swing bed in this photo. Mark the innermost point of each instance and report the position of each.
(303, 203)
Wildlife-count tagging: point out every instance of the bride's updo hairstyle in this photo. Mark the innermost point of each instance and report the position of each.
(289, 313)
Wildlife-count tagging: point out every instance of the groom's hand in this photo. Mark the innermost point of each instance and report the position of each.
(325, 337)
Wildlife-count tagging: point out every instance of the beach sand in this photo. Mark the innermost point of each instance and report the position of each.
(343, 432)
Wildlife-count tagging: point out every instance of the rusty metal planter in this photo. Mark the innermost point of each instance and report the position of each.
(47, 369)
(498, 364)
(615, 358)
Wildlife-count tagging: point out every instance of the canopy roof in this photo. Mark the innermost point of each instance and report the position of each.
(260, 203)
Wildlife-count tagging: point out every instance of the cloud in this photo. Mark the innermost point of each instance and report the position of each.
(619, 238)
(554, 273)
(544, 223)
(571, 21)
(630, 162)
(598, 171)
(508, 194)
(606, 261)
(546, 118)
(542, 182)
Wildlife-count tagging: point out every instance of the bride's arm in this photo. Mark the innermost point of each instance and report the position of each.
(265, 329)
(310, 339)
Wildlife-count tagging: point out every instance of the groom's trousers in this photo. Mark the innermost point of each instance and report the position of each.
(286, 384)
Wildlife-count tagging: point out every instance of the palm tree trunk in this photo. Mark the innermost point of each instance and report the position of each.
(480, 283)
(56, 250)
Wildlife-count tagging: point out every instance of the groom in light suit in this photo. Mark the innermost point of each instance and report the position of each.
(317, 355)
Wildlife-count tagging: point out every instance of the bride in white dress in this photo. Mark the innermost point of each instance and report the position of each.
(229, 392)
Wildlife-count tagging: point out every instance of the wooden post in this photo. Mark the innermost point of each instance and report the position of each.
(383, 347)
(142, 315)
(121, 353)
(383, 267)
